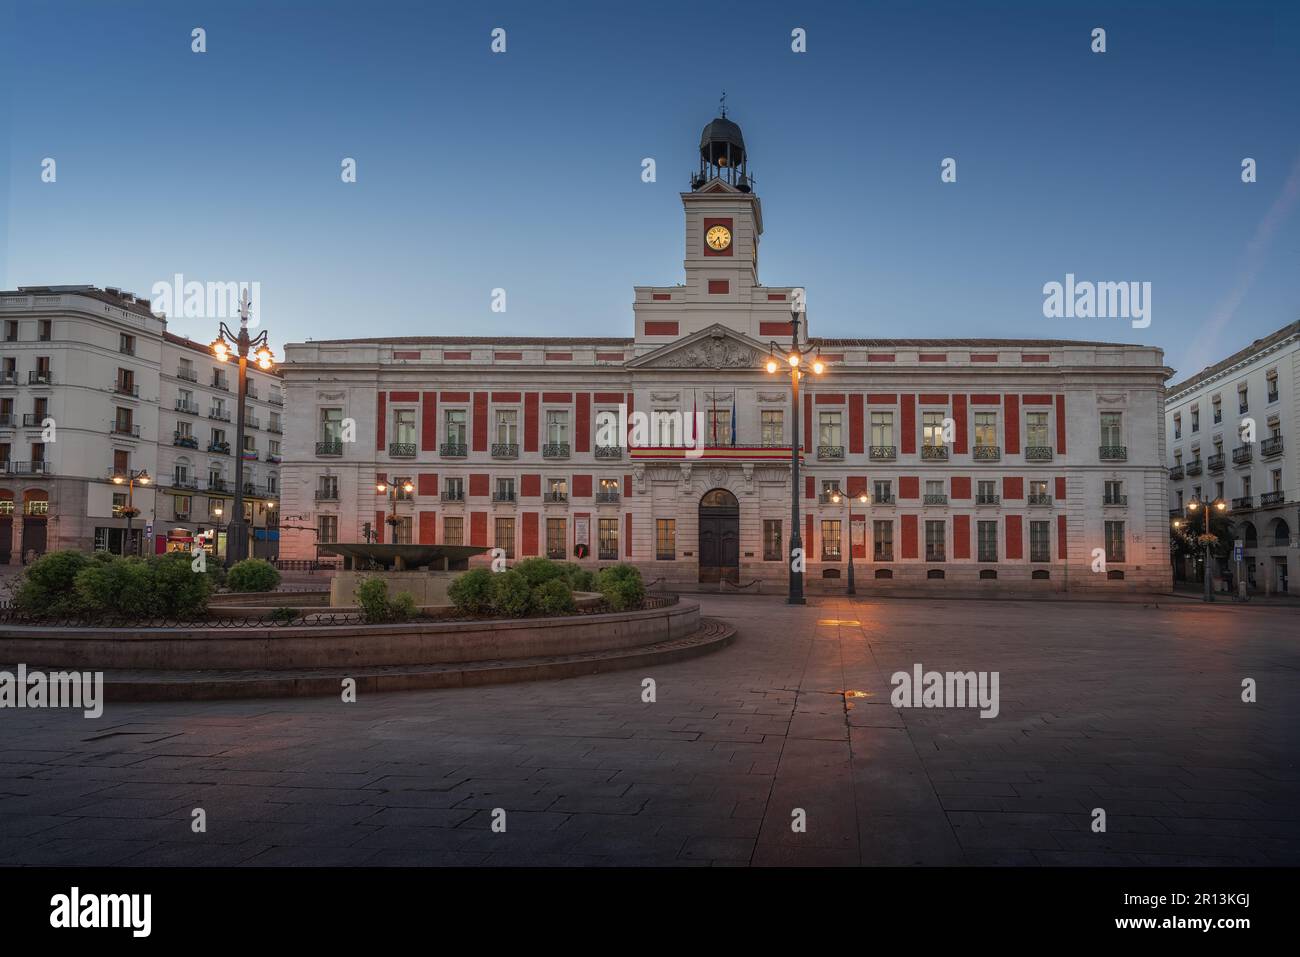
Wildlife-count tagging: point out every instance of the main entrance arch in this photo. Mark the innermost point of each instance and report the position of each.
(719, 537)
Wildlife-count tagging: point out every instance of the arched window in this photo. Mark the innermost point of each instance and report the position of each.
(1250, 536)
(1281, 534)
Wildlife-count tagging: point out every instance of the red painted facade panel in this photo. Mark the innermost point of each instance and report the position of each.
(478, 528)
(1060, 488)
(610, 356)
(1013, 488)
(661, 328)
(455, 397)
(856, 427)
(381, 421)
(909, 486)
(429, 422)
(582, 486)
(627, 486)
(505, 396)
(962, 418)
(381, 529)
(1060, 424)
(719, 287)
(961, 486)
(1015, 534)
(829, 398)
(531, 428)
(428, 528)
(627, 535)
(557, 396)
(529, 545)
(507, 355)
(807, 423)
(933, 398)
(559, 357)
(809, 487)
(961, 536)
(582, 422)
(985, 398)
(480, 429)
(983, 357)
(426, 483)
(530, 486)
(609, 398)
(933, 357)
(908, 427)
(880, 357)
(1062, 551)
(882, 398)
(910, 537)
(455, 355)
(403, 397)
(1036, 399)
(1012, 417)
(776, 330)
(857, 484)
(479, 483)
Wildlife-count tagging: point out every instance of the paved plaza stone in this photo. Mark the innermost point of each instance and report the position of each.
(1132, 708)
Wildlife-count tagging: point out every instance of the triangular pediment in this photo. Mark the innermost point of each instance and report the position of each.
(715, 347)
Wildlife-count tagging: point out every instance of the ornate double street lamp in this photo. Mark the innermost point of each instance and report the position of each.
(237, 530)
(392, 489)
(794, 358)
(129, 478)
(1194, 506)
(862, 499)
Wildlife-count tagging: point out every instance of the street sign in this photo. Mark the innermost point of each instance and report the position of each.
(148, 531)
(1236, 554)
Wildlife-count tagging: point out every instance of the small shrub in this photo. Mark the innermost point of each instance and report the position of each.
(622, 586)
(253, 574)
(178, 590)
(471, 592)
(403, 607)
(511, 595)
(47, 587)
(372, 596)
(124, 587)
(580, 579)
(554, 597)
(284, 616)
(214, 570)
(537, 571)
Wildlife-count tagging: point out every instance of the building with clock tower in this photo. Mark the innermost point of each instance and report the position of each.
(987, 464)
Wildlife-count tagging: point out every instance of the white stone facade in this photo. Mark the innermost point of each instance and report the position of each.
(91, 385)
(1233, 436)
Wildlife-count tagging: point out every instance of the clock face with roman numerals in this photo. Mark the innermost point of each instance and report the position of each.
(718, 238)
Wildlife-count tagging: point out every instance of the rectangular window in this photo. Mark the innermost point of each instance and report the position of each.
(556, 537)
(882, 428)
(828, 429)
(402, 530)
(404, 426)
(669, 431)
(934, 541)
(665, 539)
(831, 540)
(126, 344)
(327, 528)
(1036, 433)
(986, 492)
(508, 426)
(1217, 405)
(505, 536)
(718, 426)
(608, 549)
(454, 490)
(331, 424)
(505, 490)
(1114, 492)
(932, 429)
(883, 539)
(1040, 541)
(557, 427)
(772, 551)
(1112, 431)
(986, 430)
(773, 428)
(453, 422)
(1115, 541)
(1178, 426)
(883, 491)
(453, 530)
(1196, 419)
(987, 541)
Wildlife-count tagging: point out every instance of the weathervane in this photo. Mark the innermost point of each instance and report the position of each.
(722, 104)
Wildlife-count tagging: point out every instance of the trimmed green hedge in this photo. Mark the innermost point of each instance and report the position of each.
(377, 607)
(533, 586)
(69, 583)
(622, 586)
(253, 574)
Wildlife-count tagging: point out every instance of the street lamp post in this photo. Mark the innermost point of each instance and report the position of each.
(237, 530)
(391, 489)
(863, 499)
(216, 531)
(129, 478)
(793, 358)
(1195, 505)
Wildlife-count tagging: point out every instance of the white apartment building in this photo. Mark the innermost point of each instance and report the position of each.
(1213, 455)
(93, 386)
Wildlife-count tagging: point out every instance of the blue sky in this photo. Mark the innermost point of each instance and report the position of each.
(522, 170)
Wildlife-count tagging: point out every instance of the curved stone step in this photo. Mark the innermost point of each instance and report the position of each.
(196, 685)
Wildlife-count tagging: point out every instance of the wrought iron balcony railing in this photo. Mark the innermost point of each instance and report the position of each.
(607, 497)
(1194, 467)
(327, 495)
(1242, 454)
(883, 499)
(126, 388)
(1113, 453)
(505, 450)
(184, 441)
(1040, 499)
(883, 453)
(1215, 462)
(27, 468)
(185, 483)
(502, 495)
(187, 407)
(988, 499)
(935, 498)
(828, 498)
(275, 427)
(221, 415)
(555, 450)
(32, 420)
(609, 452)
(1272, 498)
(40, 377)
(453, 495)
(830, 452)
(559, 497)
(7, 420)
(189, 375)
(219, 448)
(453, 450)
(986, 453)
(1038, 453)
(1271, 446)
(401, 450)
(1175, 473)
(329, 447)
(126, 428)
(1122, 500)
(934, 453)
(1245, 501)
(218, 485)
(8, 378)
